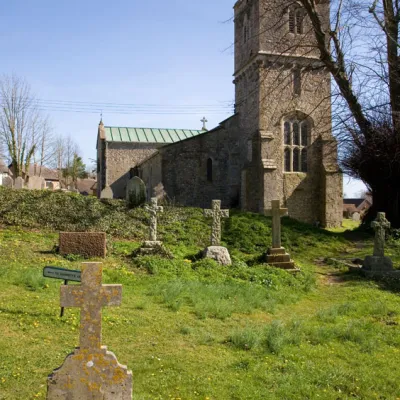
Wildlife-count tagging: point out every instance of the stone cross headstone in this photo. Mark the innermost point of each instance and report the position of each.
(153, 209)
(216, 214)
(135, 192)
(277, 256)
(90, 372)
(107, 193)
(19, 183)
(276, 212)
(378, 264)
(380, 225)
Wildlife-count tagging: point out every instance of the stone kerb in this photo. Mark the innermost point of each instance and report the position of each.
(86, 244)
(216, 251)
(90, 372)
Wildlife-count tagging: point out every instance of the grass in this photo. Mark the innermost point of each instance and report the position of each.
(190, 329)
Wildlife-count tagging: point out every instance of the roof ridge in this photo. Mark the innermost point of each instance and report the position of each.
(167, 129)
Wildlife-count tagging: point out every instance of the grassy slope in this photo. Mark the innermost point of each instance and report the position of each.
(191, 330)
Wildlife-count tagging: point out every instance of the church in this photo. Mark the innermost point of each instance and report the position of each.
(278, 144)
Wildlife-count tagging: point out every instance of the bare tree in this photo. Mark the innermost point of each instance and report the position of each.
(360, 48)
(23, 130)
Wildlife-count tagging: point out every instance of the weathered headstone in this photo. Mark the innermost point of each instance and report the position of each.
(378, 263)
(107, 193)
(35, 182)
(356, 217)
(8, 182)
(90, 372)
(19, 183)
(216, 251)
(153, 246)
(86, 244)
(135, 192)
(277, 255)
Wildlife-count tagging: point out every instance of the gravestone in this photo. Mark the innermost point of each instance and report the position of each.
(107, 193)
(90, 372)
(86, 244)
(276, 255)
(35, 183)
(377, 263)
(152, 245)
(216, 251)
(135, 192)
(8, 182)
(19, 183)
(356, 217)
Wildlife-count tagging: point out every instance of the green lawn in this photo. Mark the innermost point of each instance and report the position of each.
(189, 329)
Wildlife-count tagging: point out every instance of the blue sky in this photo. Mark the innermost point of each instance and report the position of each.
(127, 52)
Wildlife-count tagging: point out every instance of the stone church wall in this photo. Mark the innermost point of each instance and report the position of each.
(120, 158)
(184, 168)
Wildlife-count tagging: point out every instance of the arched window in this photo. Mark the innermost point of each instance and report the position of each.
(296, 19)
(209, 170)
(295, 142)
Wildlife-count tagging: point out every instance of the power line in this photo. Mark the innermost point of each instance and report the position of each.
(126, 108)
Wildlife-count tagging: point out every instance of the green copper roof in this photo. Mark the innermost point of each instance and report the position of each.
(148, 135)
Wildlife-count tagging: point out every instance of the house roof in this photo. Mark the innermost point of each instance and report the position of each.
(46, 173)
(148, 135)
(85, 185)
(355, 202)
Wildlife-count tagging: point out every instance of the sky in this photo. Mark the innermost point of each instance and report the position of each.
(159, 64)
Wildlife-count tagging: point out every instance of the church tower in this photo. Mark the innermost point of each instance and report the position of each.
(283, 104)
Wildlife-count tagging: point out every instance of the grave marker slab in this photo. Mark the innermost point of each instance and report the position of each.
(86, 244)
(36, 183)
(90, 372)
(135, 192)
(19, 183)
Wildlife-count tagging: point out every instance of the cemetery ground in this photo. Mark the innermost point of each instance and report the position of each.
(189, 328)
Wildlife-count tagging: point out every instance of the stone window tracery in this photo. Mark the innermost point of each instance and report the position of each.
(295, 142)
(296, 19)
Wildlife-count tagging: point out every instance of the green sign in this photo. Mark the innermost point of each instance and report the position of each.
(62, 273)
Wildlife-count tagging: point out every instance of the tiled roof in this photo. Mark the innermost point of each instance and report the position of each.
(148, 135)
